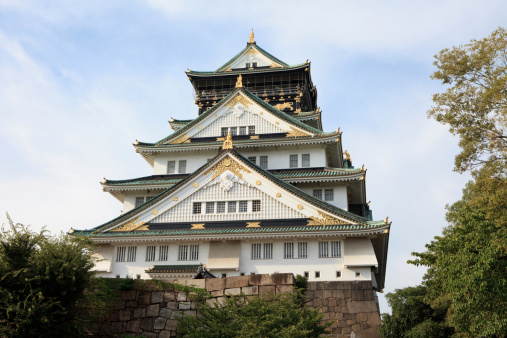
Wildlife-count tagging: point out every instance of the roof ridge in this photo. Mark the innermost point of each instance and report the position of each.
(252, 45)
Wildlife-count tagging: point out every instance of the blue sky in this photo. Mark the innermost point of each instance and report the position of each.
(80, 81)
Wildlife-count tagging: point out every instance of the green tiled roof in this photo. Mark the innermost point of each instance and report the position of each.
(172, 268)
(248, 70)
(262, 51)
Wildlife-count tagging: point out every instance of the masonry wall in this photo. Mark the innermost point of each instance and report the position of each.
(152, 313)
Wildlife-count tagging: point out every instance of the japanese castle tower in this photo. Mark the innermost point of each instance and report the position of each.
(252, 185)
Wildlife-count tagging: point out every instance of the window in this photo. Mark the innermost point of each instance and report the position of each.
(302, 250)
(220, 207)
(254, 64)
(317, 274)
(268, 250)
(188, 253)
(183, 253)
(139, 201)
(338, 274)
(234, 131)
(307, 274)
(317, 193)
(131, 253)
(150, 253)
(262, 251)
(358, 274)
(243, 206)
(182, 167)
(231, 206)
(323, 249)
(252, 159)
(194, 252)
(256, 206)
(251, 130)
(224, 275)
(329, 195)
(225, 131)
(210, 207)
(120, 253)
(256, 251)
(171, 167)
(305, 160)
(293, 161)
(163, 252)
(288, 250)
(336, 249)
(247, 65)
(241, 273)
(197, 208)
(138, 276)
(242, 130)
(263, 162)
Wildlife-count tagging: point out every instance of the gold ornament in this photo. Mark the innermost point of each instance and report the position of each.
(131, 226)
(239, 81)
(325, 219)
(196, 185)
(251, 37)
(238, 98)
(253, 225)
(155, 211)
(295, 133)
(198, 226)
(227, 164)
(228, 142)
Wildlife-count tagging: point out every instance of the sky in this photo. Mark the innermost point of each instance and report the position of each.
(80, 81)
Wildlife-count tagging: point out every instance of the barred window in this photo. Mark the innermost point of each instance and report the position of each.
(323, 250)
(120, 253)
(197, 207)
(329, 195)
(336, 249)
(256, 206)
(210, 207)
(288, 250)
(302, 250)
(263, 162)
(171, 167)
(251, 130)
(317, 193)
(225, 131)
(234, 131)
(268, 250)
(293, 161)
(150, 253)
(194, 253)
(305, 160)
(182, 167)
(163, 252)
(231, 206)
(131, 253)
(220, 207)
(252, 159)
(183, 253)
(243, 206)
(256, 251)
(242, 130)
(139, 201)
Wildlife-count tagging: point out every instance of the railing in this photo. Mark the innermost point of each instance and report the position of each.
(216, 95)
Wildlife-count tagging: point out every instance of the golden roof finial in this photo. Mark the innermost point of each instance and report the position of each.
(239, 81)
(386, 220)
(362, 168)
(251, 39)
(347, 155)
(228, 142)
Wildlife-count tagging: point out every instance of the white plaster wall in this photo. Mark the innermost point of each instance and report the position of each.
(340, 192)
(129, 197)
(195, 159)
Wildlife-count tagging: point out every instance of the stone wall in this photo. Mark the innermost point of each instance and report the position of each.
(152, 313)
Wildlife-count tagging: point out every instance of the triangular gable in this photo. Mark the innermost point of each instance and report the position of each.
(250, 180)
(252, 53)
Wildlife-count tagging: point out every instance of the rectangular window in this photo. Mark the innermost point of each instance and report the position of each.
(120, 253)
(263, 162)
(234, 131)
(242, 130)
(358, 274)
(183, 253)
(171, 167)
(288, 250)
(336, 249)
(139, 201)
(210, 207)
(323, 249)
(197, 208)
(131, 253)
(254, 64)
(293, 161)
(247, 65)
(225, 131)
(220, 207)
(163, 252)
(307, 274)
(182, 167)
(251, 130)
(252, 159)
(338, 274)
(329, 195)
(231, 206)
(256, 206)
(268, 250)
(256, 251)
(150, 253)
(302, 250)
(317, 193)
(317, 274)
(194, 252)
(243, 206)
(305, 160)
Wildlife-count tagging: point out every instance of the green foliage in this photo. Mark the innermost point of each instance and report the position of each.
(302, 283)
(241, 316)
(42, 279)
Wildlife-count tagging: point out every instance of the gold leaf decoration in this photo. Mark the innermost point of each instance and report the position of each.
(238, 99)
(325, 219)
(131, 226)
(284, 105)
(198, 226)
(224, 164)
(253, 225)
(295, 133)
(180, 139)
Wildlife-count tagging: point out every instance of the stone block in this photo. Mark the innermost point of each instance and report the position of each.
(120, 305)
(159, 323)
(125, 315)
(197, 283)
(152, 310)
(332, 302)
(146, 324)
(310, 294)
(104, 329)
(266, 289)
(321, 286)
(283, 279)
(317, 302)
(131, 304)
(216, 302)
(139, 313)
(184, 306)
(145, 298)
(357, 295)
(169, 296)
(232, 292)
(364, 325)
(319, 293)
(362, 317)
(250, 290)
(348, 316)
(284, 288)
(217, 293)
(149, 335)
(372, 332)
(365, 285)
(190, 312)
(312, 286)
(356, 327)
(116, 327)
(172, 305)
(264, 279)
(327, 294)
(133, 325)
(350, 322)
(346, 330)
(361, 306)
(171, 324)
(128, 295)
(337, 294)
(368, 295)
(157, 297)
(325, 301)
(335, 285)
(164, 312)
(373, 318)
(214, 284)
(236, 282)
(182, 296)
(164, 334)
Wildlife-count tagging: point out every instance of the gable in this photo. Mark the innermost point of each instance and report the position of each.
(251, 55)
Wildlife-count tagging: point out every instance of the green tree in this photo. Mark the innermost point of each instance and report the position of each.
(42, 281)
(273, 316)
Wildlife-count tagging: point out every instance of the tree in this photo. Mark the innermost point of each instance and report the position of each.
(240, 316)
(42, 279)
(475, 106)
